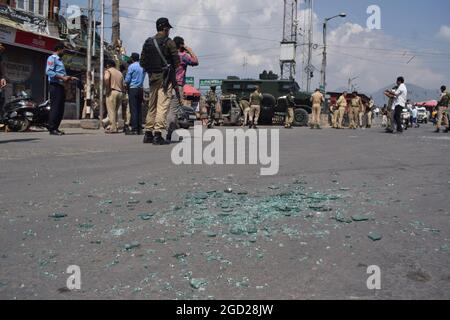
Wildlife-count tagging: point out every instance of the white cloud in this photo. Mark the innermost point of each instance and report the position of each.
(224, 32)
(444, 33)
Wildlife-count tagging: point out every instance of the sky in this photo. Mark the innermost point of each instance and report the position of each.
(242, 38)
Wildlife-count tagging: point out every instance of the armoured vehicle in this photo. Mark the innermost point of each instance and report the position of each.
(274, 105)
(230, 111)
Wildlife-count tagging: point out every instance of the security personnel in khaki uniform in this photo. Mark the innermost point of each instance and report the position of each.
(255, 107)
(356, 106)
(245, 107)
(162, 80)
(342, 108)
(290, 100)
(115, 90)
(442, 110)
(317, 100)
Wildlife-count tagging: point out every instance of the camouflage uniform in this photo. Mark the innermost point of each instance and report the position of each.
(290, 111)
(443, 104)
(255, 107)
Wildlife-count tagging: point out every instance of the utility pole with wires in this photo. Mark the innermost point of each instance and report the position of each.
(89, 62)
(244, 67)
(309, 67)
(102, 58)
(115, 22)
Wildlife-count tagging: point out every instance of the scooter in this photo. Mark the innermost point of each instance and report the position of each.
(22, 112)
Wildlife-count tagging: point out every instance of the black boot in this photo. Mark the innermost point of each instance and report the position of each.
(438, 130)
(159, 140)
(148, 138)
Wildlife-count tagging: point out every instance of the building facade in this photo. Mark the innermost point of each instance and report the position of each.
(27, 32)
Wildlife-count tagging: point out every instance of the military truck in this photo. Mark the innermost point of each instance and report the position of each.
(274, 104)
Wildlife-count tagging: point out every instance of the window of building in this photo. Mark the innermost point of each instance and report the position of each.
(20, 4)
(38, 7)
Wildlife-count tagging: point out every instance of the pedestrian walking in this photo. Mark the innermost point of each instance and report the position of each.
(160, 59)
(57, 76)
(115, 90)
(317, 99)
(414, 114)
(256, 99)
(134, 81)
(187, 58)
(442, 118)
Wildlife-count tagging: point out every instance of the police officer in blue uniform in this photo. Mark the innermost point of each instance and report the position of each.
(57, 76)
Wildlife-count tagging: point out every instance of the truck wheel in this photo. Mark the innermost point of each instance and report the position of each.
(301, 118)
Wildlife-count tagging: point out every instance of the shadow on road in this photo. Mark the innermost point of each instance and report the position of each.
(18, 140)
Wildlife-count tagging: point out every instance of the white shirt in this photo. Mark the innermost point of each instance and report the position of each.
(414, 113)
(401, 96)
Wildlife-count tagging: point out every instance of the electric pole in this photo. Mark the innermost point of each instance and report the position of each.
(115, 22)
(310, 68)
(89, 62)
(102, 59)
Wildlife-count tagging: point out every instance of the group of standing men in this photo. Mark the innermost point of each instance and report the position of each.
(163, 59)
(356, 110)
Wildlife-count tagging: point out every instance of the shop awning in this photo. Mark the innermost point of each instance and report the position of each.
(14, 34)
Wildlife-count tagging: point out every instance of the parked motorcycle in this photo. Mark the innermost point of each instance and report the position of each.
(22, 112)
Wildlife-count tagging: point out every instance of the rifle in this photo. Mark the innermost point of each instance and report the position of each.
(168, 73)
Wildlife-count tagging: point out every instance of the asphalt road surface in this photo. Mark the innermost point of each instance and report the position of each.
(140, 227)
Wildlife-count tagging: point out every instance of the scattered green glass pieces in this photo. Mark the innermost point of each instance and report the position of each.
(198, 283)
(58, 215)
(375, 236)
(133, 245)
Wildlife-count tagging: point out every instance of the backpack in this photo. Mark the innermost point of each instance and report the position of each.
(151, 60)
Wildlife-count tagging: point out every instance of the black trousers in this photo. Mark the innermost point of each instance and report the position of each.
(398, 117)
(136, 97)
(57, 106)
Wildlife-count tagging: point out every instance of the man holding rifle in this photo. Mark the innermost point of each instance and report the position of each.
(160, 60)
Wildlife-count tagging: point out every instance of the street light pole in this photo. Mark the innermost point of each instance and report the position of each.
(324, 59)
